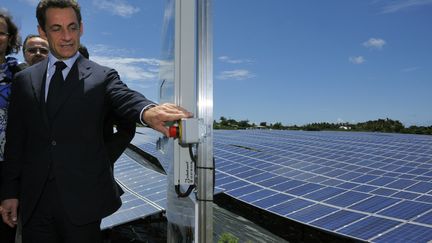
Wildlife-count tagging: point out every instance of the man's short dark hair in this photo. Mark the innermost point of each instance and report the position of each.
(46, 4)
(28, 38)
(14, 44)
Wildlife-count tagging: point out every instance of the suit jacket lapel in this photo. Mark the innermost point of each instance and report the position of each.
(38, 77)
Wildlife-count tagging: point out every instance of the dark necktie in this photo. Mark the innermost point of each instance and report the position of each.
(54, 92)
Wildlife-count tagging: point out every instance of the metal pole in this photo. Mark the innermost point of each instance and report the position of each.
(205, 167)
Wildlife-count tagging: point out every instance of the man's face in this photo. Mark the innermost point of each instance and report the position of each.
(36, 50)
(62, 31)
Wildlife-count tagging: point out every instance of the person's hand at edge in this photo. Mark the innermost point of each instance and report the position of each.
(9, 211)
(156, 116)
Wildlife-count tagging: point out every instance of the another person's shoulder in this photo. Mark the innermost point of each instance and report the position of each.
(25, 71)
(96, 66)
(101, 70)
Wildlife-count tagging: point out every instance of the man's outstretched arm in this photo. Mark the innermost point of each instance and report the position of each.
(157, 116)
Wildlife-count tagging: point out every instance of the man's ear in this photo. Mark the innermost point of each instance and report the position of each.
(81, 29)
(42, 33)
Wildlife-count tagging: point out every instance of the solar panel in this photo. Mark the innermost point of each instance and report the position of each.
(145, 192)
(368, 186)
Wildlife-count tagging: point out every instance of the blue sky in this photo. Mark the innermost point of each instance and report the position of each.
(294, 62)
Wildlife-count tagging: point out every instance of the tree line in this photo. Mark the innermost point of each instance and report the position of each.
(380, 125)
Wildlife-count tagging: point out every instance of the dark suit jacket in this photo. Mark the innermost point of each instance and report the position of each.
(117, 142)
(73, 144)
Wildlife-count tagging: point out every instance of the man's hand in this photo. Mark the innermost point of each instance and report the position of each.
(9, 212)
(156, 116)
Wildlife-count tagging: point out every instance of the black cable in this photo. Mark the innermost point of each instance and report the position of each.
(193, 158)
(184, 194)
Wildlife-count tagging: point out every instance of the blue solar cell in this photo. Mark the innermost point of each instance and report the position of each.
(237, 170)
(401, 184)
(368, 228)
(303, 176)
(317, 179)
(419, 171)
(261, 177)
(425, 198)
(332, 182)
(272, 200)
(407, 233)
(384, 192)
(421, 187)
(425, 218)
(381, 181)
(390, 167)
(234, 185)
(347, 198)
(256, 195)
(364, 188)
(406, 195)
(322, 170)
(363, 170)
(348, 185)
(334, 172)
(225, 180)
(349, 176)
(289, 206)
(424, 159)
(407, 176)
(374, 204)
(248, 173)
(364, 178)
(311, 213)
(324, 193)
(287, 185)
(337, 220)
(304, 189)
(273, 181)
(292, 173)
(428, 174)
(243, 190)
(406, 210)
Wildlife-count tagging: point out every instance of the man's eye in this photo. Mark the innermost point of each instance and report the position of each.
(74, 27)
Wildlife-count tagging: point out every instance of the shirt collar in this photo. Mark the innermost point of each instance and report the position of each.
(69, 62)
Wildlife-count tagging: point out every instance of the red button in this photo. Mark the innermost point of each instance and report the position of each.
(173, 132)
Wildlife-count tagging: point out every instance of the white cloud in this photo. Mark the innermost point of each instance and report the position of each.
(228, 59)
(238, 74)
(357, 60)
(398, 5)
(374, 43)
(141, 70)
(116, 7)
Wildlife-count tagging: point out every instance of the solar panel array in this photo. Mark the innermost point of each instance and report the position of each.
(369, 186)
(145, 192)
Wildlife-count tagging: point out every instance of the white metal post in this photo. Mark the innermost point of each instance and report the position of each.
(205, 167)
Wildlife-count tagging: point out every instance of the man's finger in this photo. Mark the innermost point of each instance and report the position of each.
(6, 218)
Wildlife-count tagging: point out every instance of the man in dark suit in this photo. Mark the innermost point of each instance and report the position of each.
(57, 167)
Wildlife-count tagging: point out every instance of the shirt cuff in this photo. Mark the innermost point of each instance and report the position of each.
(142, 113)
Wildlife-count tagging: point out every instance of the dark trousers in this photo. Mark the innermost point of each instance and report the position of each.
(7, 234)
(50, 223)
